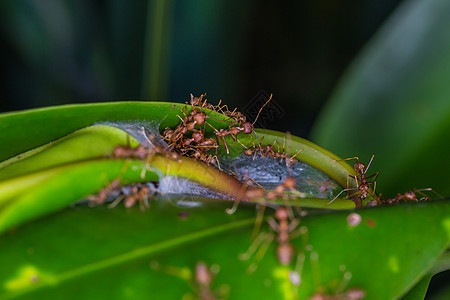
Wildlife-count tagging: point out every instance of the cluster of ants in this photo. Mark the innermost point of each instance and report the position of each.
(363, 189)
(188, 137)
(129, 194)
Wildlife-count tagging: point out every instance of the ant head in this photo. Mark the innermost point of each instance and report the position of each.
(248, 152)
(194, 100)
(254, 193)
(202, 274)
(359, 167)
(410, 195)
(281, 213)
(291, 161)
(289, 182)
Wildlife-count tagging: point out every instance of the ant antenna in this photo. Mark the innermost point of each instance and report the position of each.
(368, 165)
(257, 116)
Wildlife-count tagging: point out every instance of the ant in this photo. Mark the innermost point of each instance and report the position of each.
(268, 150)
(243, 125)
(350, 294)
(407, 196)
(284, 229)
(339, 292)
(201, 281)
(136, 192)
(197, 145)
(103, 194)
(362, 185)
(248, 193)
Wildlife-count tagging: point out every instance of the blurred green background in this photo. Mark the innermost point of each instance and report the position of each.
(358, 77)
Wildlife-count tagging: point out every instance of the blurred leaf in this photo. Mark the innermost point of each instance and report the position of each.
(419, 290)
(72, 254)
(394, 101)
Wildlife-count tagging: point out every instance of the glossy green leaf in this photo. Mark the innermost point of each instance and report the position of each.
(393, 101)
(28, 129)
(87, 143)
(153, 253)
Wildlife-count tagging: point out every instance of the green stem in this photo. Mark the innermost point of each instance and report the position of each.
(155, 73)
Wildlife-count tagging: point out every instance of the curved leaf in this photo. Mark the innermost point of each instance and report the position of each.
(87, 143)
(28, 129)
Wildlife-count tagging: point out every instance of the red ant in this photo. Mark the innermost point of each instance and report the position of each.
(133, 193)
(407, 196)
(350, 294)
(362, 185)
(285, 250)
(202, 281)
(103, 194)
(244, 126)
(268, 150)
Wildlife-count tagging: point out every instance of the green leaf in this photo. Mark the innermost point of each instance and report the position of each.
(394, 101)
(87, 143)
(142, 254)
(28, 129)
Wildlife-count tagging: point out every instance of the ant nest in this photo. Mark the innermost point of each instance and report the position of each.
(196, 137)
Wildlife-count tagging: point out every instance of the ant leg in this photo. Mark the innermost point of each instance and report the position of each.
(225, 144)
(289, 162)
(273, 224)
(296, 275)
(233, 209)
(261, 252)
(246, 148)
(300, 231)
(294, 223)
(345, 190)
(350, 158)
(254, 246)
(116, 201)
(428, 189)
(143, 203)
(373, 175)
(344, 283)
(258, 221)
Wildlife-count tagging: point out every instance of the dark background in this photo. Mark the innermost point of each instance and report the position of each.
(59, 52)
